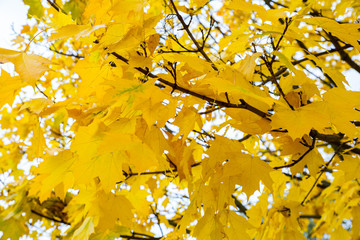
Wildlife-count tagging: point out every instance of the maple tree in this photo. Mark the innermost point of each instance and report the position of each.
(151, 119)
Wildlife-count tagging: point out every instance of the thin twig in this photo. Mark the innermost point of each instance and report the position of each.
(294, 162)
(67, 54)
(53, 5)
(186, 28)
(42, 92)
(246, 137)
(243, 105)
(344, 56)
(49, 218)
(157, 218)
(321, 173)
(131, 174)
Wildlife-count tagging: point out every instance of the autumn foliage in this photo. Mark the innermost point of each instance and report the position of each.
(164, 119)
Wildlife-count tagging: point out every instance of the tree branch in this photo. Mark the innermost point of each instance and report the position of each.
(131, 174)
(211, 101)
(186, 27)
(269, 64)
(321, 173)
(56, 6)
(323, 53)
(53, 5)
(141, 236)
(300, 158)
(344, 56)
(66, 54)
(49, 218)
(310, 216)
(333, 140)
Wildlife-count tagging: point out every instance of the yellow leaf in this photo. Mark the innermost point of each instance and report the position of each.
(186, 121)
(312, 160)
(19, 39)
(75, 31)
(182, 157)
(350, 166)
(92, 74)
(348, 32)
(247, 66)
(113, 209)
(13, 228)
(205, 226)
(38, 144)
(36, 105)
(347, 102)
(153, 42)
(105, 164)
(248, 171)
(85, 230)
(301, 120)
(61, 19)
(30, 67)
(52, 172)
(247, 121)
(356, 221)
(340, 233)
(272, 15)
(221, 149)
(233, 87)
(237, 227)
(193, 62)
(10, 86)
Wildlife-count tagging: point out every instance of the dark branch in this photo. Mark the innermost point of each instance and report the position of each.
(49, 218)
(243, 104)
(131, 174)
(334, 140)
(344, 56)
(246, 137)
(310, 216)
(67, 54)
(323, 53)
(53, 5)
(310, 148)
(186, 27)
(321, 173)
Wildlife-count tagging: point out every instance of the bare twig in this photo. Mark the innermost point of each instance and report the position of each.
(344, 56)
(294, 162)
(186, 28)
(321, 173)
(49, 218)
(67, 54)
(220, 103)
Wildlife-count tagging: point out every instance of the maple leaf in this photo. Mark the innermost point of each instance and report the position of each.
(10, 87)
(13, 228)
(30, 67)
(75, 31)
(36, 9)
(302, 120)
(248, 172)
(347, 32)
(54, 172)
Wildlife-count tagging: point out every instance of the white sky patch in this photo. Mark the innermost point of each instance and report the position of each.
(12, 17)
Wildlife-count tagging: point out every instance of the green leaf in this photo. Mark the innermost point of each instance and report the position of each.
(76, 8)
(36, 9)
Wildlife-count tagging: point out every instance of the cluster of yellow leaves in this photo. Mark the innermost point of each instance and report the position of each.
(143, 120)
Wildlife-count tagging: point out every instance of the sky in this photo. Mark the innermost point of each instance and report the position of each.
(12, 17)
